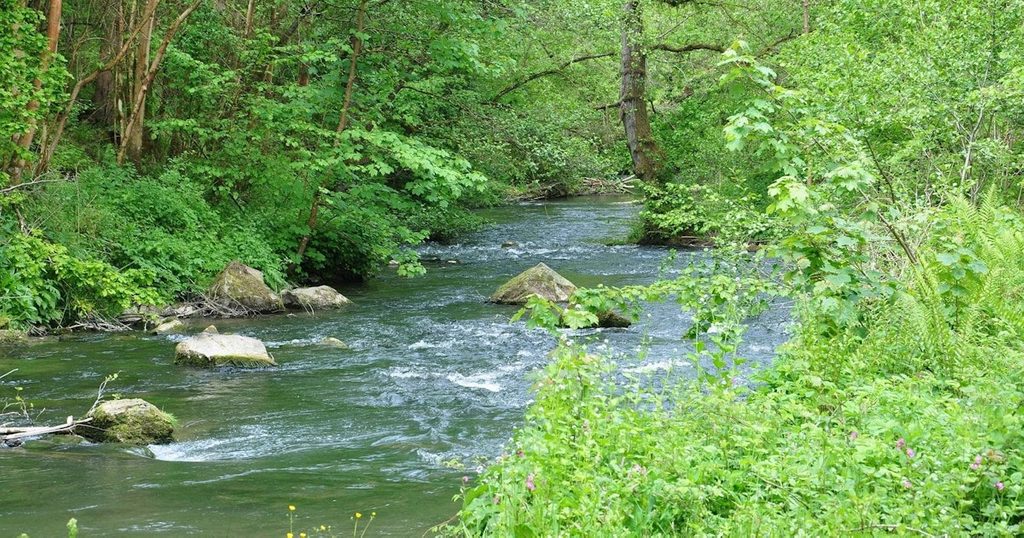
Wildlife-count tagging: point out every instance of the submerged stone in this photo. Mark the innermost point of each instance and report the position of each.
(132, 421)
(211, 329)
(315, 298)
(211, 350)
(241, 286)
(333, 342)
(539, 280)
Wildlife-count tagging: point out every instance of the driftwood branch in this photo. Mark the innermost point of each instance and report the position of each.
(17, 433)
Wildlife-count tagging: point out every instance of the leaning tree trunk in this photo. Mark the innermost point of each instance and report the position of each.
(632, 96)
(137, 122)
(25, 140)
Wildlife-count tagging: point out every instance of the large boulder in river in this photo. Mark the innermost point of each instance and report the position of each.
(317, 298)
(132, 421)
(240, 286)
(539, 280)
(210, 350)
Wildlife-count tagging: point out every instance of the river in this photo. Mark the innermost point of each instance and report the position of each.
(434, 375)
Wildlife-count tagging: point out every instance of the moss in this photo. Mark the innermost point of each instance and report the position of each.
(539, 280)
(132, 421)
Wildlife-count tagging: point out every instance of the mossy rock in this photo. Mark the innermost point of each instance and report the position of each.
(9, 336)
(241, 286)
(208, 350)
(608, 319)
(131, 421)
(539, 280)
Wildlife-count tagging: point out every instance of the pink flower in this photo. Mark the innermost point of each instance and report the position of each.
(911, 453)
(854, 435)
(999, 486)
(465, 479)
(977, 459)
(900, 443)
(529, 482)
(907, 483)
(496, 499)
(975, 466)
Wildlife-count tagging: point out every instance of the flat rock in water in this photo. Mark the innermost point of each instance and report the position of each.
(316, 298)
(539, 280)
(241, 286)
(132, 421)
(210, 350)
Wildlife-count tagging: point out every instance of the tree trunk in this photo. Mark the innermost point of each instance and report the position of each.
(632, 96)
(138, 108)
(357, 47)
(807, 16)
(105, 97)
(249, 12)
(133, 132)
(52, 35)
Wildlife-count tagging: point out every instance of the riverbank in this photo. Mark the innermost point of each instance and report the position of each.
(907, 421)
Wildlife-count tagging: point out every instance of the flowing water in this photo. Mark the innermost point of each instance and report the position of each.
(434, 374)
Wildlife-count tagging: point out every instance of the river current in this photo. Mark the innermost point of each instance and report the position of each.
(434, 375)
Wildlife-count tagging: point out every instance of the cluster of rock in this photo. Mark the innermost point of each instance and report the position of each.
(241, 287)
(542, 281)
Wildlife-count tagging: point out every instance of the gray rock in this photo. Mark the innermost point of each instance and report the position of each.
(241, 286)
(169, 326)
(333, 342)
(211, 350)
(316, 298)
(539, 280)
(211, 329)
(132, 421)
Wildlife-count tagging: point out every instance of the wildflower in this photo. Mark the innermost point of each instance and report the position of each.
(999, 486)
(900, 443)
(519, 453)
(854, 435)
(497, 499)
(907, 483)
(529, 482)
(911, 453)
(359, 515)
(373, 514)
(291, 507)
(323, 528)
(302, 535)
(289, 535)
(977, 459)
(465, 479)
(975, 466)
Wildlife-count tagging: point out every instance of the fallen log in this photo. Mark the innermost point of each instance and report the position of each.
(15, 433)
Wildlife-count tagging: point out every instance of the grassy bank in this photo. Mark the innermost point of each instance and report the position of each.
(907, 422)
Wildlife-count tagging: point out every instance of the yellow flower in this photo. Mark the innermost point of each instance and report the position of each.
(358, 515)
(373, 514)
(289, 535)
(291, 507)
(302, 535)
(323, 528)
